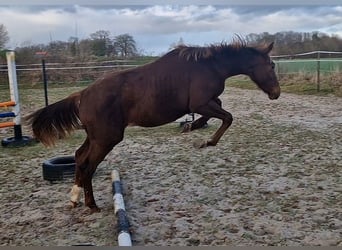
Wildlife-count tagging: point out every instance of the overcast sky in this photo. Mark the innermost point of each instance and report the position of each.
(156, 26)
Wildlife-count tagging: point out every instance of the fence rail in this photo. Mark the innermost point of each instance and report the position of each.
(66, 72)
(310, 53)
(73, 66)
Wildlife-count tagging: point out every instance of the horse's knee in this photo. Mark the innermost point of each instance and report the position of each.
(228, 118)
(218, 101)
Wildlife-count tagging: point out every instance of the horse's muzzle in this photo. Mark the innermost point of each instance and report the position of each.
(274, 94)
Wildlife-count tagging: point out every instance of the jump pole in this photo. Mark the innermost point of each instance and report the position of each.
(18, 138)
(13, 84)
(124, 237)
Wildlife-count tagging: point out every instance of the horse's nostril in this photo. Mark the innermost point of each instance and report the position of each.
(273, 97)
(274, 94)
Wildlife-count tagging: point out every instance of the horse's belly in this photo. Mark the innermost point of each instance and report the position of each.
(153, 119)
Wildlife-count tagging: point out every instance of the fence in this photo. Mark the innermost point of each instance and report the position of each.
(65, 72)
(315, 63)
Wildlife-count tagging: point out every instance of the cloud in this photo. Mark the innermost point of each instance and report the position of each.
(178, 2)
(156, 27)
(301, 19)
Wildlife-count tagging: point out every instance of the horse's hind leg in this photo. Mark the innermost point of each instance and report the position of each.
(78, 185)
(95, 155)
(89, 156)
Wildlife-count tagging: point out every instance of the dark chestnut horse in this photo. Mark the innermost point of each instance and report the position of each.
(185, 80)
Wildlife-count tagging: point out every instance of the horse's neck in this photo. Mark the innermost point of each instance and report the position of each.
(230, 66)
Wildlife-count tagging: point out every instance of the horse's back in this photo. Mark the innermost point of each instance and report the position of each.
(149, 95)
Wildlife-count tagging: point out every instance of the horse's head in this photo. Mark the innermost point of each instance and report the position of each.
(260, 68)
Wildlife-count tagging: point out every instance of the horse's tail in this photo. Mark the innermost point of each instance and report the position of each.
(55, 121)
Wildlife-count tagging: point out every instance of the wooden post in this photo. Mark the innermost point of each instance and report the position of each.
(318, 81)
(42, 55)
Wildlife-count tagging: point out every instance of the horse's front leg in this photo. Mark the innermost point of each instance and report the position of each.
(200, 122)
(214, 109)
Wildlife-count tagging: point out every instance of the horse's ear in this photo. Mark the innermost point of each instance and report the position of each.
(269, 48)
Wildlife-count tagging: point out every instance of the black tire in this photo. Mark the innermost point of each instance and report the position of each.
(59, 168)
(14, 142)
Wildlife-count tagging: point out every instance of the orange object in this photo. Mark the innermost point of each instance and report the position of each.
(7, 104)
(6, 124)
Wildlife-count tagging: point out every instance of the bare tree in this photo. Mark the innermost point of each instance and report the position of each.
(85, 48)
(4, 38)
(73, 46)
(291, 42)
(125, 45)
(101, 42)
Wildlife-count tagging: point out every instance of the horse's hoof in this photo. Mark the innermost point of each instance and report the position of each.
(94, 210)
(186, 128)
(73, 204)
(200, 144)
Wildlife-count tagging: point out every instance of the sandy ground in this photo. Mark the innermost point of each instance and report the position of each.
(275, 178)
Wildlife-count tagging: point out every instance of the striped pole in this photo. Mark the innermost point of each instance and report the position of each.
(124, 237)
(14, 102)
(13, 83)
(18, 139)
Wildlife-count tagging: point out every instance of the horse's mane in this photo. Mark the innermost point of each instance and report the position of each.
(196, 53)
